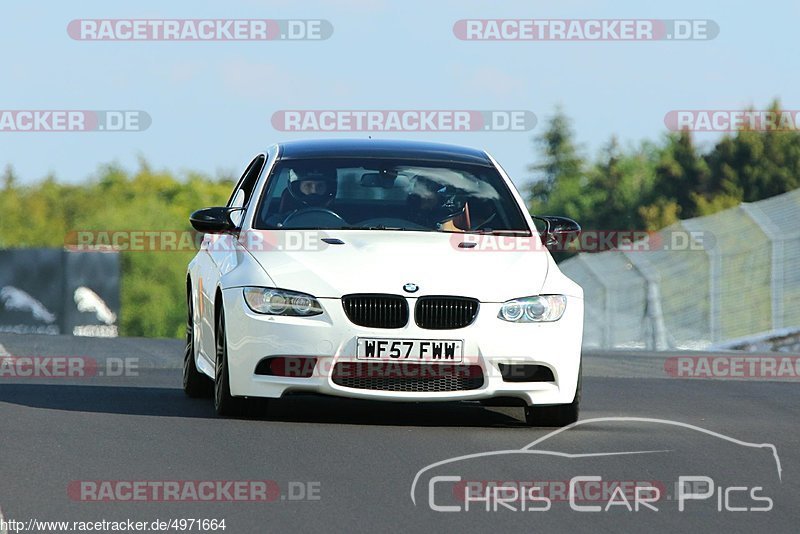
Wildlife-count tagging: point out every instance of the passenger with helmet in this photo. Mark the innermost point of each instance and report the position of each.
(433, 208)
(425, 201)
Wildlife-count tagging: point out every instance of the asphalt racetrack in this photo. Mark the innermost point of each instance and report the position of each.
(652, 452)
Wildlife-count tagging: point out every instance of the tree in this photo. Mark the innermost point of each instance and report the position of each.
(753, 165)
(561, 172)
(680, 172)
(617, 183)
(601, 196)
(655, 185)
(9, 179)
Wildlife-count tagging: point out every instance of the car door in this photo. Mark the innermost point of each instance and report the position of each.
(218, 256)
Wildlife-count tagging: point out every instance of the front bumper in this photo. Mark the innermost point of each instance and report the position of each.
(331, 338)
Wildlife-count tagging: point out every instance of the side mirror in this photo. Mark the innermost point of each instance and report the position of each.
(214, 220)
(559, 230)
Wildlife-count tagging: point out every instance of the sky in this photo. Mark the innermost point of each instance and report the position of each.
(211, 103)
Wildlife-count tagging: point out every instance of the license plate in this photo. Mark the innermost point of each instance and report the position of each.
(419, 350)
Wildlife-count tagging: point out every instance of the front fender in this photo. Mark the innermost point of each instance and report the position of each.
(246, 272)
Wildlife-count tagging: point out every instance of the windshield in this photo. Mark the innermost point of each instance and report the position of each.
(383, 194)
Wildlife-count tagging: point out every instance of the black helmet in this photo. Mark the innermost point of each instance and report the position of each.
(424, 191)
(308, 172)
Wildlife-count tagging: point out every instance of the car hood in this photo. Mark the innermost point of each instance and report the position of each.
(383, 261)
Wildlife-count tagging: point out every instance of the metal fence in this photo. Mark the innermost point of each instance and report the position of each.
(730, 275)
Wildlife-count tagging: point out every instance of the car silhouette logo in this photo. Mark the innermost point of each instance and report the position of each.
(410, 288)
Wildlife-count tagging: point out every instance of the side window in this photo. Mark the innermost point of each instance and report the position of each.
(244, 189)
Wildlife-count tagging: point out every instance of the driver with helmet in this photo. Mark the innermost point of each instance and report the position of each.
(309, 187)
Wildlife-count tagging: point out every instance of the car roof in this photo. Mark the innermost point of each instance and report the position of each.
(381, 148)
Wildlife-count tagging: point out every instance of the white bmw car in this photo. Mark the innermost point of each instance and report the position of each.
(384, 270)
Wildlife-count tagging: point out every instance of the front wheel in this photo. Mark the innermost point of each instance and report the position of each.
(559, 414)
(224, 402)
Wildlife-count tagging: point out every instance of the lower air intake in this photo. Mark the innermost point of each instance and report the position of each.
(418, 378)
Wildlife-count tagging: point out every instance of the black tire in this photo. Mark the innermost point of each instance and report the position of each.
(224, 402)
(559, 414)
(195, 383)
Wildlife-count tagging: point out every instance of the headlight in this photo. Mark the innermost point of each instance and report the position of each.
(539, 309)
(272, 301)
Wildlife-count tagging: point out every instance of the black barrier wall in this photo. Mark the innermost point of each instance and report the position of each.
(53, 291)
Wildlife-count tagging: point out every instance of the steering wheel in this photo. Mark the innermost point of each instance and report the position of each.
(309, 214)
